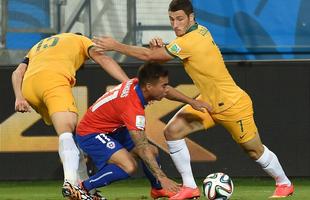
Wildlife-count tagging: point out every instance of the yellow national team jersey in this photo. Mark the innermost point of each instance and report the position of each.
(62, 54)
(204, 64)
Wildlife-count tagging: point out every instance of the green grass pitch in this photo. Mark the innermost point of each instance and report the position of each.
(245, 189)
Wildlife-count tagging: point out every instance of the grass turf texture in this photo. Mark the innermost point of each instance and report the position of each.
(135, 189)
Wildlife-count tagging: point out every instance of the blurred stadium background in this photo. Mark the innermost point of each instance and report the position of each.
(266, 46)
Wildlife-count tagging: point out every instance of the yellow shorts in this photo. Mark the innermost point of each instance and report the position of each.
(238, 120)
(48, 93)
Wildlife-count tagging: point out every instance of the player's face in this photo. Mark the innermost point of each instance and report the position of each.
(180, 22)
(159, 90)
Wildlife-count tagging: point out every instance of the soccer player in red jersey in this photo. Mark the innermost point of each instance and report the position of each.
(114, 127)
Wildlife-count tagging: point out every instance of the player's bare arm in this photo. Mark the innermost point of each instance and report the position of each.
(174, 95)
(156, 54)
(108, 64)
(21, 105)
(143, 150)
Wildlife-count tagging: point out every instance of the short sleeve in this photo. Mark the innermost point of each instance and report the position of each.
(25, 60)
(134, 118)
(86, 45)
(178, 48)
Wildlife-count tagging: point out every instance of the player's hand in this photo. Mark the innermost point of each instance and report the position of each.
(21, 105)
(156, 43)
(169, 184)
(104, 43)
(201, 106)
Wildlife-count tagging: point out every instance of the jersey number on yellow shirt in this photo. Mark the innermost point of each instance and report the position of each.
(46, 43)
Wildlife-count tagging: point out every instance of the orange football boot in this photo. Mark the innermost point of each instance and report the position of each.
(186, 193)
(282, 191)
(159, 193)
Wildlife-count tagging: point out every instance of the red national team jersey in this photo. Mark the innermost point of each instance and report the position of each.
(119, 107)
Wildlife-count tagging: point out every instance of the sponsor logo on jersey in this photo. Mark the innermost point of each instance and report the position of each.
(140, 122)
(175, 49)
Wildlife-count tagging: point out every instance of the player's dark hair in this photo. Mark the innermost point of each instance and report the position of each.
(150, 72)
(185, 5)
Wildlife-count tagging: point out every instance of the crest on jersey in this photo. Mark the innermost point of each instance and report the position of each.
(140, 122)
(175, 49)
(111, 145)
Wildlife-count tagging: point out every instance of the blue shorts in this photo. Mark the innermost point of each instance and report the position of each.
(100, 147)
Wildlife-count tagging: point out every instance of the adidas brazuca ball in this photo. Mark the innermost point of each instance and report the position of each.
(218, 186)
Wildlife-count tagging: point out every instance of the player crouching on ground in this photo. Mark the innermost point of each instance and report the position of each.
(114, 127)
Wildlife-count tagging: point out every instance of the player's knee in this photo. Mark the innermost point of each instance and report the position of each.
(254, 148)
(129, 166)
(255, 153)
(132, 167)
(171, 132)
(70, 125)
(64, 122)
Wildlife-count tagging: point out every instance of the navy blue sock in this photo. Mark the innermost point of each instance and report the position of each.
(105, 176)
(154, 182)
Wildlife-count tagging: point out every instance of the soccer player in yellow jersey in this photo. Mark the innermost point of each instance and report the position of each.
(230, 106)
(44, 80)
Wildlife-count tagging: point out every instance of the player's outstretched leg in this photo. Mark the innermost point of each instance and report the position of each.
(74, 192)
(181, 158)
(178, 128)
(271, 165)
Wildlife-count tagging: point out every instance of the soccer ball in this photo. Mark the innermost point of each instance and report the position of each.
(217, 186)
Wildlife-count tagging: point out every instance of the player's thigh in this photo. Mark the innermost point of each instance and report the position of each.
(186, 121)
(43, 111)
(48, 93)
(104, 149)
(30, 94)
(61, 108)
(242, 130)
(60, 99)
(33, 93)
(64, 121)
(239, 120)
